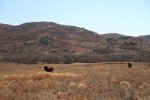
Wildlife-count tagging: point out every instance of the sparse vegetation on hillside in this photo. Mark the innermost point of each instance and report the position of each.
(48, 38)
(49, 42)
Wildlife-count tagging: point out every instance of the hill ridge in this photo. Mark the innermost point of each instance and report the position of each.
(50, 37)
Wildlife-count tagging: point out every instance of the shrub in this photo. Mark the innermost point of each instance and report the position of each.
(73, 58)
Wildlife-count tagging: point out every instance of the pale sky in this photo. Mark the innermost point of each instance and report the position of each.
(128, 17)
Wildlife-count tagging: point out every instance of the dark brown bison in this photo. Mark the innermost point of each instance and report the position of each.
(129, 65)
(48, 69)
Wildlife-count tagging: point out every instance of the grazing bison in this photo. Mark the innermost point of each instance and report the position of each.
(129, 65)
(48, 69)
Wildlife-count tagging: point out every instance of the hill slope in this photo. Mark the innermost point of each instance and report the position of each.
(146, 37)
(49, 38)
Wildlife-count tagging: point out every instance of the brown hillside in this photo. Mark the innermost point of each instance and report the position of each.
(49, 37)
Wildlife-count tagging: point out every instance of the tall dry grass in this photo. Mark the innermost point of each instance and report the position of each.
(97, 81)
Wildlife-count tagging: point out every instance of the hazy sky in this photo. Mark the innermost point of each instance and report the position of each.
(128, 17)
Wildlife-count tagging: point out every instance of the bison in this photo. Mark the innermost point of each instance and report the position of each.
(48, 69)
(129, 65)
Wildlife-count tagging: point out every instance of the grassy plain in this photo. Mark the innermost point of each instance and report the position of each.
(78, 81)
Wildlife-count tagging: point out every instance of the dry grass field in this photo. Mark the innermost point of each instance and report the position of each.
(78, 81)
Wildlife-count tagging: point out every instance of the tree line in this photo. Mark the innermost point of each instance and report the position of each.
(74, 58)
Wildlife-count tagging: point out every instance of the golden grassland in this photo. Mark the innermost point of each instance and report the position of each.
(78, 81)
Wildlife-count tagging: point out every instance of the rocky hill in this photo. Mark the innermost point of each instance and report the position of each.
(146, 37)
(53, 38)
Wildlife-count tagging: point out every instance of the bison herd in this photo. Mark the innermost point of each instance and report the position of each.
(47, 69)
